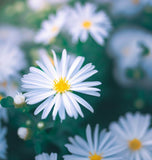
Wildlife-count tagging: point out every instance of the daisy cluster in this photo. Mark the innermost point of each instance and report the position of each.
(131, 49)
(80, 22)
(54, 89)
(124, 140)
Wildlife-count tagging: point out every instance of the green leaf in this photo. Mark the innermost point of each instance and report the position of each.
(7, 102)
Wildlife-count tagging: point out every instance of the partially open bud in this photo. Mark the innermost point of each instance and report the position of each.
(19, 100)
(24, 133)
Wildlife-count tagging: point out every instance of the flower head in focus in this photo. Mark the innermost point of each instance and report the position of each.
(134, 136)
(84, 21)
(54, 86)
(45, 156)
(99, 146)
(51, 28)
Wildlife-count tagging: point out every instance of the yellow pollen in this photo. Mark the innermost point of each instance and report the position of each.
(95, 156)
(62, 85)
(87, 24)
(135, 144)
(135, 1)
(54, 29)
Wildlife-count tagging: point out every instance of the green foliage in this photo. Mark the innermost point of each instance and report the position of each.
(7, 102)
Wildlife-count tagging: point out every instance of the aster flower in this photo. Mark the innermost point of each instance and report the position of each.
(126, 50)
(124, 46)
(11, 58)
(45, 156)
(55, 86)
(99, 147)
(134, 136)
(51, 28)
(38, 5)
(84, 20)
(3, 143)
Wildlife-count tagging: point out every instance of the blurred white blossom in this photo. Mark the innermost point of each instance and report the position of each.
(127, 47)
(51, 28)
(84, 20)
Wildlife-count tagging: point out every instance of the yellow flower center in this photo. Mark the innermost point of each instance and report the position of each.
(135, 144)
(87, 24)
(95, 157)
(1, 97)
(54, 29)
(135, 1)
(62, 85)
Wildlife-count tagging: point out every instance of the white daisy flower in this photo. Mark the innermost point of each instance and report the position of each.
(45, 156)
(51, 28)
(12, 61)
(3, 143)
(38, 5)
(124, 46)
(100, 146)
(127, 8)
(134, 136)
(55, 86)
(84, 20)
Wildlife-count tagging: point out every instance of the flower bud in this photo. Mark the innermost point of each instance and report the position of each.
(24, 133)
(19, 100)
